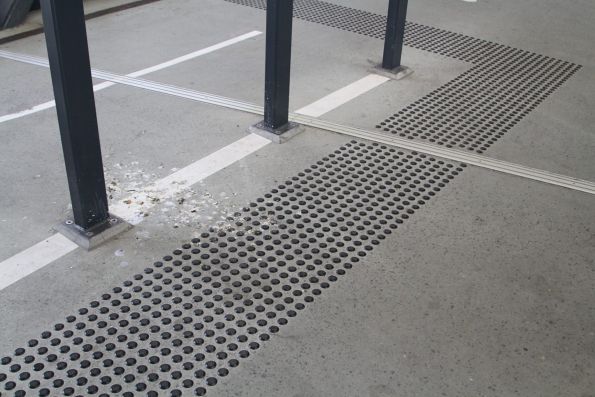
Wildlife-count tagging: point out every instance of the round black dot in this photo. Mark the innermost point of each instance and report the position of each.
(164, 385)
(211, 381)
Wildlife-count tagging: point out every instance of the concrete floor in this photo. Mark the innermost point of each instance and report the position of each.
(487, 290)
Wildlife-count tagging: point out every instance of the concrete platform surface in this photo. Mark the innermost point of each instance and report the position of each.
(327, 265)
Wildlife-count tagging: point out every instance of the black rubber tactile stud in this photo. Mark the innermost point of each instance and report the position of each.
(184, 323)
(475, 109)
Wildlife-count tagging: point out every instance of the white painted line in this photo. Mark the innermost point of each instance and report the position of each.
(138, 73)
(56, 246)
(186, 177)
(47, 105)
(195, 54)
(42, 254)
(214, 162)
(34, 258)
(23, 113)
(342, 96)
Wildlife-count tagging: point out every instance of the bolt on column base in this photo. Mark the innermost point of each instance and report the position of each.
(95, 236)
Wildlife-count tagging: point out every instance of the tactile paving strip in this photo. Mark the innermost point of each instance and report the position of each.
(189, 319)
(470, 112)
(478, 107)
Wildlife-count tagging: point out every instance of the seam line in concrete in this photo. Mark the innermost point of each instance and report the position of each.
(403, 143)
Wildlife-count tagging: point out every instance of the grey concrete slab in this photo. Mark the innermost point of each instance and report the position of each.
(34, 193)
(322, 62)
(28, 86)
(144, 136)
(134, 39)
(60, 288)
(567, 152)
(319, 67)
(430, 72)
(487, 291)
(558, 136)
(546, 27)
(310, 80)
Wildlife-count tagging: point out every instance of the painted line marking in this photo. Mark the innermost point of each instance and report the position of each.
(186, 177)
(56, 246)
(138, 73)
(342, 96)
(34, 258)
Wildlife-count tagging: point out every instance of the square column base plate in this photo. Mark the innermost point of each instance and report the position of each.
(280, 135)
(95, 236)
(397, 73)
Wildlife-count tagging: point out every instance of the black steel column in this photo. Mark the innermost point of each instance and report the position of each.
(66, 37)
(395, 30)
(278, 63)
